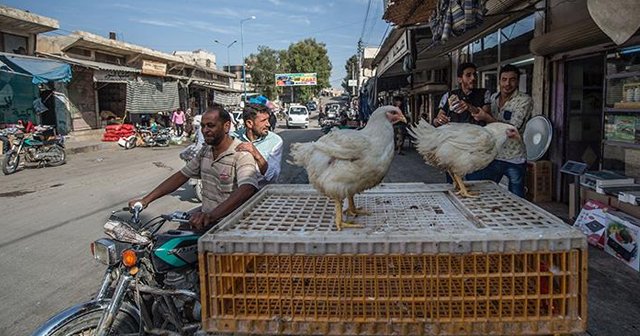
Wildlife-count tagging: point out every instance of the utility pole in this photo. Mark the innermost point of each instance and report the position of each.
(360, 57)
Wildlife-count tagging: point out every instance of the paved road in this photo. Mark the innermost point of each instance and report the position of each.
(49, 217)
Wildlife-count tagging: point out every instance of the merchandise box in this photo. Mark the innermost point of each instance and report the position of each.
(592, 221)
(621, 238)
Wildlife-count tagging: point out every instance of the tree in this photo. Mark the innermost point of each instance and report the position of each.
(351, 67)
(262, 67)
(308, 56)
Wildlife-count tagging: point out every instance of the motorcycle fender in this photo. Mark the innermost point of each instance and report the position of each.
(60, 319)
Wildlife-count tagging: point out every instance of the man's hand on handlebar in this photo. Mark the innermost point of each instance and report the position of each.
(133, 202)
(200, 220)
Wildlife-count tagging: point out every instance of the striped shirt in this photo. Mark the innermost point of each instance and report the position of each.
(223, 175)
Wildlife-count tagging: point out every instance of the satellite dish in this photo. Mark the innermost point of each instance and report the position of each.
(537, 137)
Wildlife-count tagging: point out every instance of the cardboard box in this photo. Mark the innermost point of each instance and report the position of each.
(592, 221)
(621, 238)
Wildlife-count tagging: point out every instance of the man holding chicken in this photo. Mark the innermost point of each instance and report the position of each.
(510, 106)
(461, 105)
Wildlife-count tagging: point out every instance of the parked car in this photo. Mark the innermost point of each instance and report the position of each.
(312, 106)
(297, 116)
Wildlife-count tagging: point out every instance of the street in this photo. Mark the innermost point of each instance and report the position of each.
(51, 215)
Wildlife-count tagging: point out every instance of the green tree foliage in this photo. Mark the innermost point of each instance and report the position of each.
(350, 67)
(308, 56)
(303, 56)
(262, 67)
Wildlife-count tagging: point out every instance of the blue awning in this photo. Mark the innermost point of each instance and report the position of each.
(42, 70)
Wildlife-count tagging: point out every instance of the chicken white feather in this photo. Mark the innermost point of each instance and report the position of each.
(460, 148)
(346, 162)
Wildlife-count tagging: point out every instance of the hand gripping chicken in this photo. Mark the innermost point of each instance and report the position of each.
(461, 148)
(346, 162)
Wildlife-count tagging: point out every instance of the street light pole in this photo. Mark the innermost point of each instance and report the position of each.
(244, 79)
(228, 46)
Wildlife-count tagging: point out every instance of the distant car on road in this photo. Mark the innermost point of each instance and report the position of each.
(297, 116)
(312, 106)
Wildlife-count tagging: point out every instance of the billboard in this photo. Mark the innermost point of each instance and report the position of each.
(296, 79)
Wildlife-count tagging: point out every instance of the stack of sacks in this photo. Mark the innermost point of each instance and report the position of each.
(115, 132)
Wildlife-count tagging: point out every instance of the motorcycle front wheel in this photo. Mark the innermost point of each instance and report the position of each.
(10, 162)
(60, 157)
(86, 325)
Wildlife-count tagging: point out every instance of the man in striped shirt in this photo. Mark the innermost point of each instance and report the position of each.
(228, 176)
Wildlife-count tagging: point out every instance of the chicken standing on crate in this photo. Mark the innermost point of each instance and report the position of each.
(346, 162)
(461, 149)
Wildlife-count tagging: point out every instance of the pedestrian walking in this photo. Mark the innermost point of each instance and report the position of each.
(178, 119)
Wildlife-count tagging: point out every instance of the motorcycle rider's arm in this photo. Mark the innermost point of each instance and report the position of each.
(203, 221)
(167, 186)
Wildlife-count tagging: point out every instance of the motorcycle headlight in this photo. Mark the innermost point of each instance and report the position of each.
(105, 251)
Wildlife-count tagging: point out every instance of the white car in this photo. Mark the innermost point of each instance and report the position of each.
(298, 116)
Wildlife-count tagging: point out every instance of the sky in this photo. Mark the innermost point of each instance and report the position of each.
(195, 24)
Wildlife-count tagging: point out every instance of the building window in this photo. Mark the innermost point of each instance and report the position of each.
(208, 63)
(107, 58)
(79, 52)
(14, 44)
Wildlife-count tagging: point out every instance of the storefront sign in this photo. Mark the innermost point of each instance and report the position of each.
(399, 49)
(113, 76)
(153, 68)
(352, 82)
(296, 79)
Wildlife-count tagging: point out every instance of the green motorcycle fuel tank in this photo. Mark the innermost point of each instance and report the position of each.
(175, 249)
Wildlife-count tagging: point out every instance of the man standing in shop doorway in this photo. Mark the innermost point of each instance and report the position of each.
(511, 106)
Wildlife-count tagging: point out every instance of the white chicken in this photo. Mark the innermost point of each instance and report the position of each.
(346, 162)
(461, 148)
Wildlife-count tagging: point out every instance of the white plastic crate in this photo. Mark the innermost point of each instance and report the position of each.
(405, 218)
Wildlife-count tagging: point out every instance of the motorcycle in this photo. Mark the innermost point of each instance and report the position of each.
(43, 147)
(146, 137)
(150, 286)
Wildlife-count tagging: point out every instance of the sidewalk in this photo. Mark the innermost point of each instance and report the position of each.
(613, 288)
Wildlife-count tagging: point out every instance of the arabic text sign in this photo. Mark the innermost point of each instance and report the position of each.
(296, 79)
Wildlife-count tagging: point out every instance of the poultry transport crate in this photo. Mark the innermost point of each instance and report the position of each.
(425, 263)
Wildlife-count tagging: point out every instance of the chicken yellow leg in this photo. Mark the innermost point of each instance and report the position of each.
(353, 211)
(462, 188)
(456, 187)
(339, 223)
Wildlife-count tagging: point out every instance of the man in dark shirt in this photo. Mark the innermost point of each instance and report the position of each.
(461, 105)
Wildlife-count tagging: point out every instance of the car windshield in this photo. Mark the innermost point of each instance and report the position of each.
(297, 110)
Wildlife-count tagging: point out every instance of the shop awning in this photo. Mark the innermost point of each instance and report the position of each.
(583, 34)
(152, 95)
(409, 12)
(41, 70)
(212, 85)
(91, 64)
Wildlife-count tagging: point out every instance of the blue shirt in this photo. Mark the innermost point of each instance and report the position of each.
(270, 147)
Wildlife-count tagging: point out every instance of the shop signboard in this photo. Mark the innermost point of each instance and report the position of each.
(296, 79)
(399, 50)
(352, 82)
(113, 76)
(153, 68)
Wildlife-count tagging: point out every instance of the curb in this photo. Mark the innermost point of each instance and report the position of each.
(86, 148)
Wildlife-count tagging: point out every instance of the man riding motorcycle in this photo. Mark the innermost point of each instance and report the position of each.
(228, 175)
